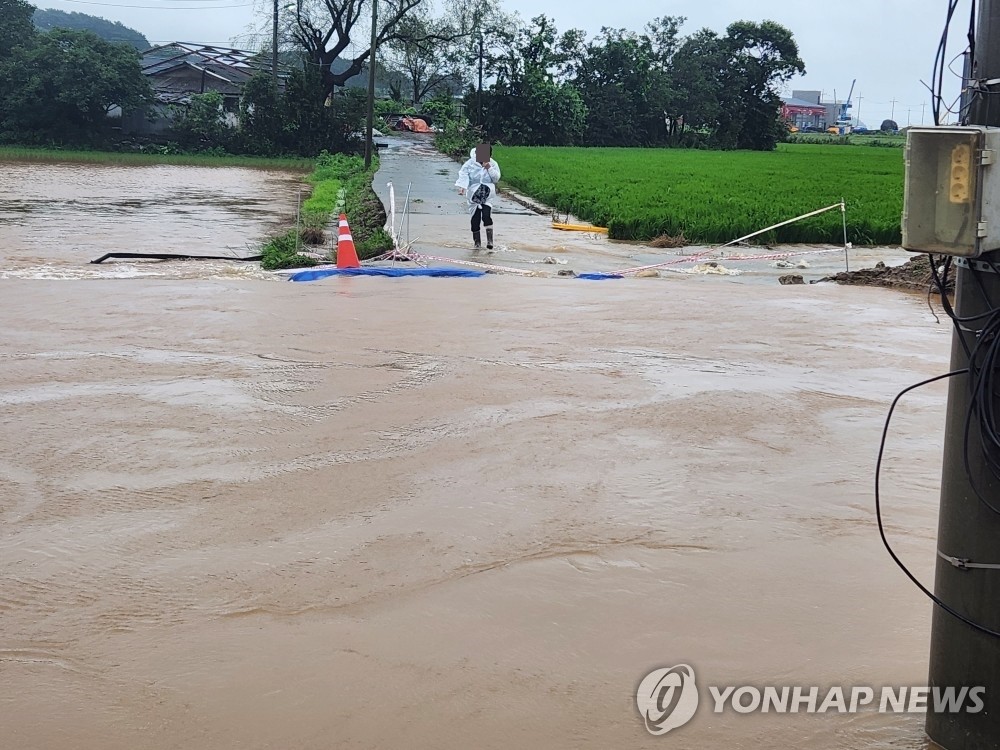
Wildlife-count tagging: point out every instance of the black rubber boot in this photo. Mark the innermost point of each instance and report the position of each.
(489, 238)
(477, 239)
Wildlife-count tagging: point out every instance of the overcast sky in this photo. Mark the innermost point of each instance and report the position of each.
(887, 45)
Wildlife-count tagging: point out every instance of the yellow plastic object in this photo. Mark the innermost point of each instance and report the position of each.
(579, 228)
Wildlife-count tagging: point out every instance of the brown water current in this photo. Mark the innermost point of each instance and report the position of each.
(453, 513)
(437, 513)
(56, 217)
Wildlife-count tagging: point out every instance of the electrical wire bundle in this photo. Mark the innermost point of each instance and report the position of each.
(984, 396)
(941, 63)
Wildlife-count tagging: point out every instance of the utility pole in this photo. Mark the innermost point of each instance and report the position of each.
(892, 111)
(479, 100)
(370, 125)
(857, 112)
(922, 108)
(274, 47)
(960, 654)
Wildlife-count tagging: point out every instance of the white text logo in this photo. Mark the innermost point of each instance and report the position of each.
(667, 698)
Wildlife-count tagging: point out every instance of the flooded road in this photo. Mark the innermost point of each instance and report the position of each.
(56, 218)
(454, 513)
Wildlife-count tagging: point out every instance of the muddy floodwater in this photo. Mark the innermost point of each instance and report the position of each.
(55, 218)
(440, 513)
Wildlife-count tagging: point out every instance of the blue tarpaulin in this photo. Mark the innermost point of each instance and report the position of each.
(599, 276)
(377, 271)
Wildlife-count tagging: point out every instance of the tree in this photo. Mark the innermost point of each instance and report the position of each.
(327, 28)
(201, 123)
(261, 127)
(62, 87)
(762, 55)
(419, 52)
(16, 28)
(663, 37)
(697, 72)
(888, 126)
(526, 104)
(624, 89)
(484, 35)
(310, 126)
(47, 20)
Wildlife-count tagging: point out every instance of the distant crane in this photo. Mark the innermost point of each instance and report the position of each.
(843, 126)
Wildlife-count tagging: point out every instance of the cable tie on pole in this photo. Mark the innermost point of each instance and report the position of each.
(963, 563)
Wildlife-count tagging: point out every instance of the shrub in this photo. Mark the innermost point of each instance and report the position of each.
(283, 252)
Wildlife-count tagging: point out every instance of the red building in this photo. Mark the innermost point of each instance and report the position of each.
(802, 114)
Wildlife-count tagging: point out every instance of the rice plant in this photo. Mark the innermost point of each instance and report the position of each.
(716, 196)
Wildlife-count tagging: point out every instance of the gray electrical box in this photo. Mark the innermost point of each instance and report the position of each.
(951, 198)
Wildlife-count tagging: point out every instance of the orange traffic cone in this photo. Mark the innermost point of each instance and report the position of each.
(347, 256)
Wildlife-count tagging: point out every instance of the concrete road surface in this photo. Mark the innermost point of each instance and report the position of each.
(437, 223)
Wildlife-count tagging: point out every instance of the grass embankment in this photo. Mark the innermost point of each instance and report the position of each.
(335, 177)
(717, 196)
(18, 153)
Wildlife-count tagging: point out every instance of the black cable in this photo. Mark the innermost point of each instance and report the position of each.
(940, 63)
(983, 358)
(878, 511)
(981, 405)
(983, 362)
(971, 36)
(942, 285)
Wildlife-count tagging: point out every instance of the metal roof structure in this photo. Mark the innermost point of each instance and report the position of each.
(216, 59)
(179, 70)
(802, 104)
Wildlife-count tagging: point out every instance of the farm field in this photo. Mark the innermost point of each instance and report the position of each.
(717, 196)
(123, 158)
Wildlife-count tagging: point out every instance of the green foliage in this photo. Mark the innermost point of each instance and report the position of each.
(47, 20)
(527, 105)
(420, 52)
(261, 127)
(714, 197)
(623, 89)
(283, 252)
(457, 138)
(440, 108)
(376, 243)
(316, 211)
(761, 56)
(697, 79)
(828, 139)
(309, 126)
(386, 107)
(200, 124)
(535, 111)
(364, 210)
(16, 28)
(60, 88)
(298, 121)
(333, 174)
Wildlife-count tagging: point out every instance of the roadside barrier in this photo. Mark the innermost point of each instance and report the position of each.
(347, 255)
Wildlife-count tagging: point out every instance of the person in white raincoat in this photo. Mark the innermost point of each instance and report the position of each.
(477, 181)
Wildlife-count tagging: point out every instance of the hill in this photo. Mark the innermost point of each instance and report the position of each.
(112, 31)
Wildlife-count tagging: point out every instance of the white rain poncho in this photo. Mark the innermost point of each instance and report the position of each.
(478, 181)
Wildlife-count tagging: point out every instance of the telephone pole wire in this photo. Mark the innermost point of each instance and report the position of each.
(960, 654)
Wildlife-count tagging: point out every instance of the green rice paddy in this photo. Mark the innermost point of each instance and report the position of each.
(716, 196)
